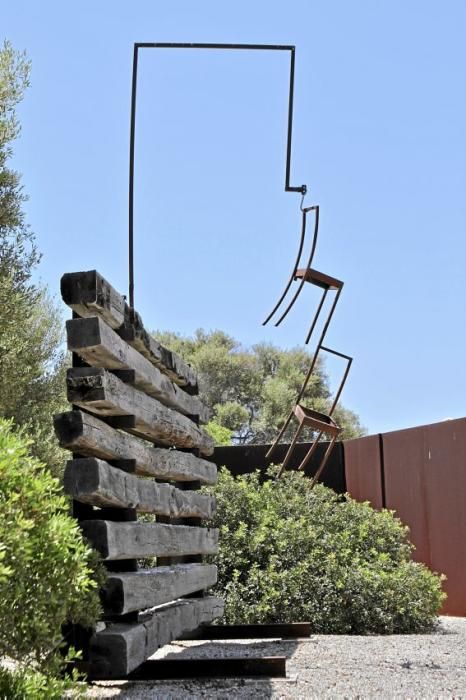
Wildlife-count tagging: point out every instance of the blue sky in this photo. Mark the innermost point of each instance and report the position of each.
(379, 138)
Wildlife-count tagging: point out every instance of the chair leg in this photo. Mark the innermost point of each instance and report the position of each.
(317, 314)
(312, 449)
(290, 450)
(272, 448)
(323, 463)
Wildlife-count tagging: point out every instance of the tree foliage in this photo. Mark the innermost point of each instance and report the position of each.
(18, 252)
(31, 359)
(251, 390)
(291, 553)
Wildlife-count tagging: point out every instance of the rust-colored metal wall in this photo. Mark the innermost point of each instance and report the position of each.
(407, 486)
(363, 469)
(421, 475)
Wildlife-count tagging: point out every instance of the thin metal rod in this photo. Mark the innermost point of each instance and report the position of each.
(342, 384)
(327, 454)
(308, 375)
(308, 264)
(319, 345)
(290, 449)
(235, 47)
(293, 273)
(277, 439)
(316, 316)
(311, 451)
(169, 45)
(131, 178)
(335, 352)
(329, 317)
(290, 129)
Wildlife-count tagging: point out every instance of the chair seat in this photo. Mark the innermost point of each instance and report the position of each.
(318, 421)
(318, 278)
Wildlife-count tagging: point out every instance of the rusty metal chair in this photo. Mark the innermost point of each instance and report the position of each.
(320, 423)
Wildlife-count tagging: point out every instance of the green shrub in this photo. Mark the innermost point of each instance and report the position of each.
(46, 568)
(289, 553)
(25, 684)
(218, 433)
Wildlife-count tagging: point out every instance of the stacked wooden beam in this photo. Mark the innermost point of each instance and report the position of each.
(137, 442)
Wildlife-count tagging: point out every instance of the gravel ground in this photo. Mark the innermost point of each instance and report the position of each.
(397, 666)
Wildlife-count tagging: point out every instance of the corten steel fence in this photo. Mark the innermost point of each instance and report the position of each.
(421, 474)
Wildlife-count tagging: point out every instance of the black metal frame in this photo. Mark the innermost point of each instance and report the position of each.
(161, 45)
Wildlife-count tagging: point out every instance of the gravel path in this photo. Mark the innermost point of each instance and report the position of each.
(397, 666)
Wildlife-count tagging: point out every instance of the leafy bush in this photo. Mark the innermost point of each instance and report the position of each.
(25, 683)
(289, 553)
(46, 568)
(220, 434)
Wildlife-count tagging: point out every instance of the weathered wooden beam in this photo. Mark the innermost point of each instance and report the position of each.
(120, 648)
(168, 361)
(96, 343)
(90, 436)
(128, 540)
(100, 392)
(89, 294)
(126, 592)
(93, 481)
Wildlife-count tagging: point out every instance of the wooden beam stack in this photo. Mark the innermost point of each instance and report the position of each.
(137, 442)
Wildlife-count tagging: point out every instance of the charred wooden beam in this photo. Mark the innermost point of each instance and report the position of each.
(116, 540)
(89, 294)
(96, 343)
(89, 436)
(168, 361)
(125, 592)
(101, 393)
(93, 481)
(120, 648)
